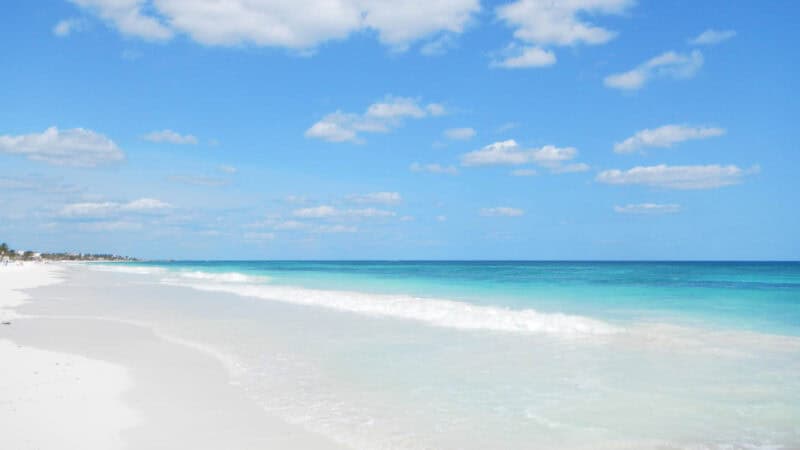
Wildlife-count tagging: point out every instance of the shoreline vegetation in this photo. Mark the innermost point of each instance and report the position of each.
(8, 254)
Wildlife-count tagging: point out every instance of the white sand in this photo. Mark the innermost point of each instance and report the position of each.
(93, 383)
(50, 399)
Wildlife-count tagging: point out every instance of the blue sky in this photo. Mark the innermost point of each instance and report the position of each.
(444, 129)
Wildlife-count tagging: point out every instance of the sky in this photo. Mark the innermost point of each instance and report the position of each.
(372, 129)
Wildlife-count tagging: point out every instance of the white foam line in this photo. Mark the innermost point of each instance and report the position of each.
(437, 312)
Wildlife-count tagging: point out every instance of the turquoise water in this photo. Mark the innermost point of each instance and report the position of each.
(507, 355)
(761, 296)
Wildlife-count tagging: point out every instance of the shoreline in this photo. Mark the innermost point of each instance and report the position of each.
(97, 383)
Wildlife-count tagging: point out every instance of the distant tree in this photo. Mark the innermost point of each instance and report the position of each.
(4, 249)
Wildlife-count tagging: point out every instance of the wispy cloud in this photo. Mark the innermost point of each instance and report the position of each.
(76, 147)
(502, 211)
(327, 211)
(648, 208)
(383, 198)
(678, 177)
(518, 57)
(460, 134)
(105, 209)
(666, 136)
(712, 37)
(171, 137)
(434, 168)
(68, 26)
(379, 117)
(666, 65)
(198, 180)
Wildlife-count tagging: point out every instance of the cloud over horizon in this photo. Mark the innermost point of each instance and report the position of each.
(76, 147)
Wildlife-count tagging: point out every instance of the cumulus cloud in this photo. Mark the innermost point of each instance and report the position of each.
(105, 209)
(171, 137)
(502, 211)
(75, 147)
(665, 136)
(379, 117)
(384, 198)
(460, 134)
(434, 168)
(648, 208)
(509, 153)
(712, 37)
(298, 24)
(678, 177)
(666, 65)
(67, 26)
(538, 24)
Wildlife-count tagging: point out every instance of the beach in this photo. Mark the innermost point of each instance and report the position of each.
(98, 383)
(398, 355)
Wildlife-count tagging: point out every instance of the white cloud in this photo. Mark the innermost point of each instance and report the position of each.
(439, 46)
(509, 153)
(129, 18)
(76, 147)
(298, 226)
(666, 65)
(105, 209)
(171, 137)
(502, 211)
(326, 212)
(712, 37)
(541, 23)
(297, 24)
(316, 212)
(648, 208)
(384, 198)
(523, 172)
(665, 137)
(228, 169)
(460, 134)
(379, 117)
(678, 177)
(434, 168)
(107, 226)
(67, 26)
(441, 218)
(517, 57)
(337, 228)
(571, 168)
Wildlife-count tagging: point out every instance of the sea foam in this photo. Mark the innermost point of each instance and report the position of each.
(437, 312)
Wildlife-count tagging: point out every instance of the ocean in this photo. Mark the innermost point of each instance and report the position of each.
(501, 354)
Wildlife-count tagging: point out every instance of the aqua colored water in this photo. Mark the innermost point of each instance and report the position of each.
(761, 296)
(517, 355)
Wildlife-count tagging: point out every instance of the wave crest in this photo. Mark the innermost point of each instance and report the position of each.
(437, 312)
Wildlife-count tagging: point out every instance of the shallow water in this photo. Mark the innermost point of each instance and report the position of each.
(495, 355)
